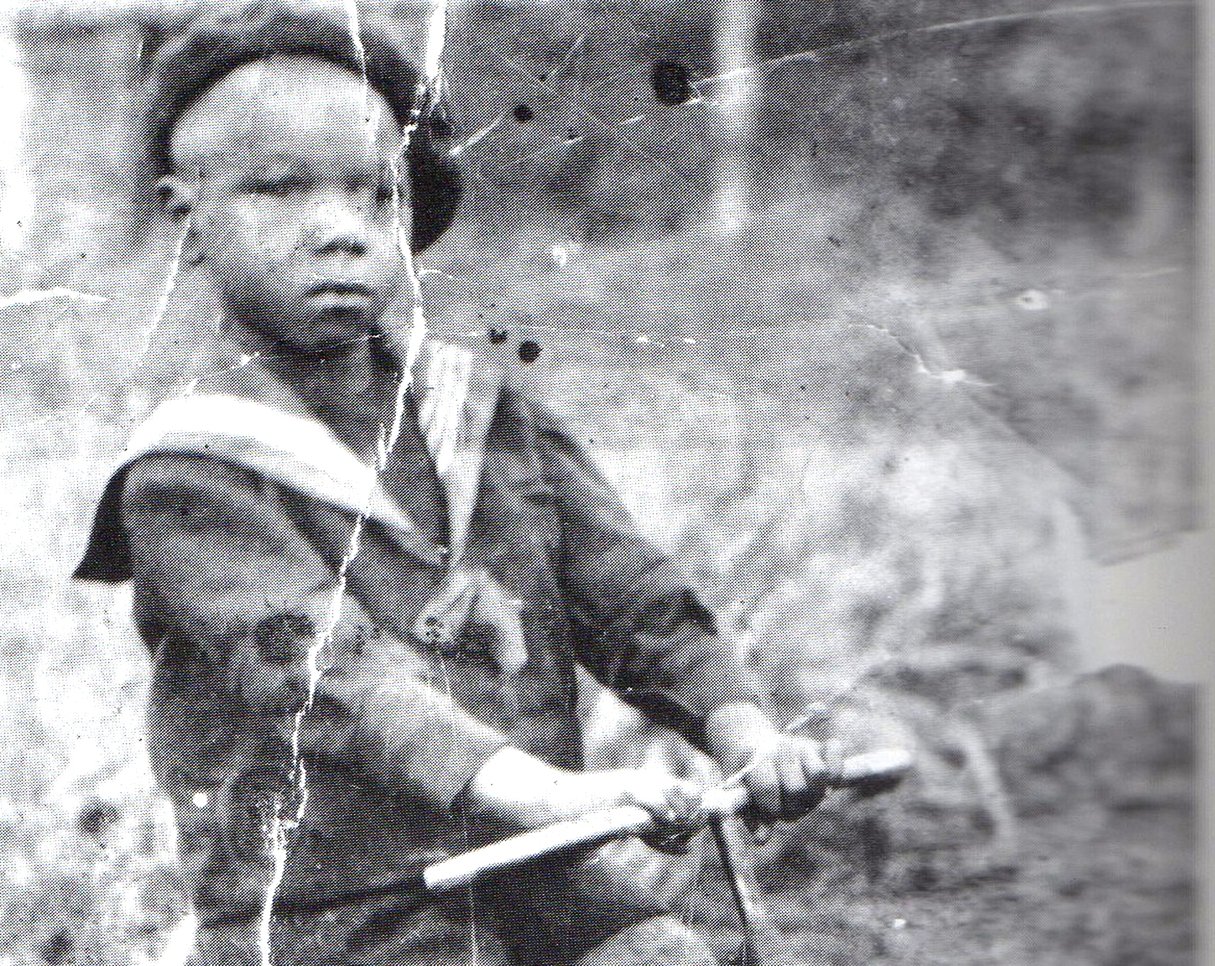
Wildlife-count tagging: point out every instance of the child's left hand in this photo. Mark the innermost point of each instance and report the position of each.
(785, 773)
(786, 779)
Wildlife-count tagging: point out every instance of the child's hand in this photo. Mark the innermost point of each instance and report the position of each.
(785, 774)
(523, 791)
(786, 779)
(673, 802)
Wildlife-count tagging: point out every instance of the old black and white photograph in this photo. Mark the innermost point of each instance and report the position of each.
(603, 483)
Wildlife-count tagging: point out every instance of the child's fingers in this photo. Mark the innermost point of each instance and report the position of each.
(681, 806)
(676, 843)
(764, 783)
(760, 831)
(675, 807)
(802, 785)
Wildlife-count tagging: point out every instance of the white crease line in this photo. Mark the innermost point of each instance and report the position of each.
(569, 57)
(484, 132)
(436, 41)
(277, 836)
(356, 38)
(34, 296)
(950, 377)
(478, 136)
(1003, 18)
(604, 125)
(166, 295)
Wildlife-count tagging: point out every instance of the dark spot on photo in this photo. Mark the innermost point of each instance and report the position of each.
(497, 336)
(529, 351)
(523, 113)
(57, 948)
(96, 817)
(672, 82)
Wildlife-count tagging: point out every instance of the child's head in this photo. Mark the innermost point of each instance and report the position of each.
(262, 133)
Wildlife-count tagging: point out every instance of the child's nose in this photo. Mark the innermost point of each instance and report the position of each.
(338, 227)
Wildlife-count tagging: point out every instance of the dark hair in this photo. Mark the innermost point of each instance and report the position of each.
(212, 46)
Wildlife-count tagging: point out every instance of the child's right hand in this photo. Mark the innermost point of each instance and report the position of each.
(673, 802)
(521, 790)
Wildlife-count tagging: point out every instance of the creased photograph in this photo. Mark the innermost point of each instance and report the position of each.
(600, 483)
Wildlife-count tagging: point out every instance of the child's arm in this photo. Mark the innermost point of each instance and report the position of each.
(215, 561)
(519, 791)
(643, 633)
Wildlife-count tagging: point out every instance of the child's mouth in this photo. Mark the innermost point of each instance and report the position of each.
(347, 303)
(338, 290)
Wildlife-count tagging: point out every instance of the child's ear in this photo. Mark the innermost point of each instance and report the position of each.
(177, 195)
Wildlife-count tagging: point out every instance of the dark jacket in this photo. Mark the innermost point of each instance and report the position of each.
(234, 573)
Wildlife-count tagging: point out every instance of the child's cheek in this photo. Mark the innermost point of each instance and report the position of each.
(260, 229)
(220, 237)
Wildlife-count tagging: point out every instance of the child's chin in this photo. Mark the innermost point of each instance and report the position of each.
(335, 328)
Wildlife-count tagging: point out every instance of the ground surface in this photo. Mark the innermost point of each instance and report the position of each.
(1096, 868)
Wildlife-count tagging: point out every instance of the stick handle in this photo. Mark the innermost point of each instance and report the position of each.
(887, 765)
(460, 870)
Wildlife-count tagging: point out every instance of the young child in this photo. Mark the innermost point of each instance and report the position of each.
(440, 558)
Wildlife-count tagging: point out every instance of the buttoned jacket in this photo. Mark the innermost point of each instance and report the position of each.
(256, 561)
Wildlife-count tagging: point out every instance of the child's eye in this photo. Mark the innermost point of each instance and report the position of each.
(275, 187)
(384, 194)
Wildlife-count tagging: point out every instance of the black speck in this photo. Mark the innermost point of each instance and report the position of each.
(523, 113)
(57, 948)
(497, 336)
(571, 135)
(529, 351)
(835, 241)
(96, 817)
(672, 82)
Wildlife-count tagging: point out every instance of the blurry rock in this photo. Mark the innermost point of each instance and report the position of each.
(1119, 738)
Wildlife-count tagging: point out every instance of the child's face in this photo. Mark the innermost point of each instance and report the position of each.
(289, 190)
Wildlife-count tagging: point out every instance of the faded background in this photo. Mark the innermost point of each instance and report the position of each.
(888, 334)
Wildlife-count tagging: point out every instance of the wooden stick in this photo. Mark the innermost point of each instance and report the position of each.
(887, 765)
